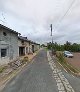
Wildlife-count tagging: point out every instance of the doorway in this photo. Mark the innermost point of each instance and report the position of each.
(21, 51)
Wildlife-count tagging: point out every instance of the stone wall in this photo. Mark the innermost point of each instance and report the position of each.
(8, 41)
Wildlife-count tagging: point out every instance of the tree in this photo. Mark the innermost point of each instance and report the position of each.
(67, 46)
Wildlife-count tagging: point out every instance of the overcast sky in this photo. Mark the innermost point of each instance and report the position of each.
(32, 18)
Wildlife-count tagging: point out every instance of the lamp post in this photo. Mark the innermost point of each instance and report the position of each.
(52, 39)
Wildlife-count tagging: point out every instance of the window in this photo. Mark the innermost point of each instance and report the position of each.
(4, 33)
(23, 42)
(3, 52)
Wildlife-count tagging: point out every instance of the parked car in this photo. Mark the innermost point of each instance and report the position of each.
(68, 54)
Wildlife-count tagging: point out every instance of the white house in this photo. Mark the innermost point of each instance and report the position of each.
(8, 44)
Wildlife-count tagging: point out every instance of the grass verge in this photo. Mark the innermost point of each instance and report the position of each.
(65, 64)
(2, 68)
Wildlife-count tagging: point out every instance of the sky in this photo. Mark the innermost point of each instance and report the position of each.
(32, 18)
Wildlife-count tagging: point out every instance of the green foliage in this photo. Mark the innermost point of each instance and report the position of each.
(60, 56)
(1, 69)
(49, 47)
(72, 47)
(25, 59)
(68, 46)
(64, 63)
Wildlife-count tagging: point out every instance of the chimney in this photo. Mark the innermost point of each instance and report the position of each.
(25, 37)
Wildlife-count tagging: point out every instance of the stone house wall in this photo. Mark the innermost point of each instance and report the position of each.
(8, 41)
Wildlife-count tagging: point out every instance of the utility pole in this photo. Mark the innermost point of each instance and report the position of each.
(52, 39)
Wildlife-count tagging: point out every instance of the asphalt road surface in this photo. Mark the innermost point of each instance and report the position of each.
(36, 77)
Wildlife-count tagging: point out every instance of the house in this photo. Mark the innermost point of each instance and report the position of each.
(12, 46)
(26, 46)
(36, 46)
(8, 44)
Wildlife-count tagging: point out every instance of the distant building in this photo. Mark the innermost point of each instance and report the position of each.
(36, 46)
(27, 46)
(8, 44)
(23, 45)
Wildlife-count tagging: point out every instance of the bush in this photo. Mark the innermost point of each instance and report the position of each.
(60, 56)
(25, 59)
(1, 69)
(67, 46)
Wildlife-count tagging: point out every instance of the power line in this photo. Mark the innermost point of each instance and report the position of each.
(66, 11)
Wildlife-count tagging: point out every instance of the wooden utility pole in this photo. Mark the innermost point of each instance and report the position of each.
(52, 38)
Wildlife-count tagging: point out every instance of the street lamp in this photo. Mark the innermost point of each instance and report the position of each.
(52, 39)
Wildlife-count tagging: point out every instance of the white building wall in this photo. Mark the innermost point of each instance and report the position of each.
(10, 42)
(26, 45)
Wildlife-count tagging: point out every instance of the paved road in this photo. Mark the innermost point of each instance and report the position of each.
(73, 80)
(36, 77)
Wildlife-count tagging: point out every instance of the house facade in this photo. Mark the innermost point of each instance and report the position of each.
(12, 46)
(8, 44)
(26, 46)
(36, 46)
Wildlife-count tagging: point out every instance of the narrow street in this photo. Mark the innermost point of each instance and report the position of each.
(39, 45)
(38, 77)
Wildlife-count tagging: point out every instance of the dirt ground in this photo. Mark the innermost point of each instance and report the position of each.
(75, 61)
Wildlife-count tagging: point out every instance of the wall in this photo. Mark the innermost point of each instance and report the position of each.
(26, 45)
(10, 41)
(36, 47)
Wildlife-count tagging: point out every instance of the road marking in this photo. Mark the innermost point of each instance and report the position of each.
(62, 83)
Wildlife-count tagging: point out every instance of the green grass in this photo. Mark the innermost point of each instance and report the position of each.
(25, 59)
(65, 64)
(46, 49)
(1, 69)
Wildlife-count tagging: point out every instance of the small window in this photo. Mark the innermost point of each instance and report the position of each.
(22, 42)
(4, 33)
(3, 52)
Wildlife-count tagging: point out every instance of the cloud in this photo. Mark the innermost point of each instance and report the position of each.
(33, 19)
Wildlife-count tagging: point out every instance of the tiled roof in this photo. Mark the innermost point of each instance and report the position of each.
(2, 26)
(23, 38)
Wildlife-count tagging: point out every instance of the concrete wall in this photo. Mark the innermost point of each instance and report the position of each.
(10, 42)
(36, 47)
(26, 45)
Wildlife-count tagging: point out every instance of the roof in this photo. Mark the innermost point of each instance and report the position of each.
(36, 43)
(23, 38)
(2, 26)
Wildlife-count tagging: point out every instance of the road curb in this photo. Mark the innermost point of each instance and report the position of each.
(76, 74)
(62, 83)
